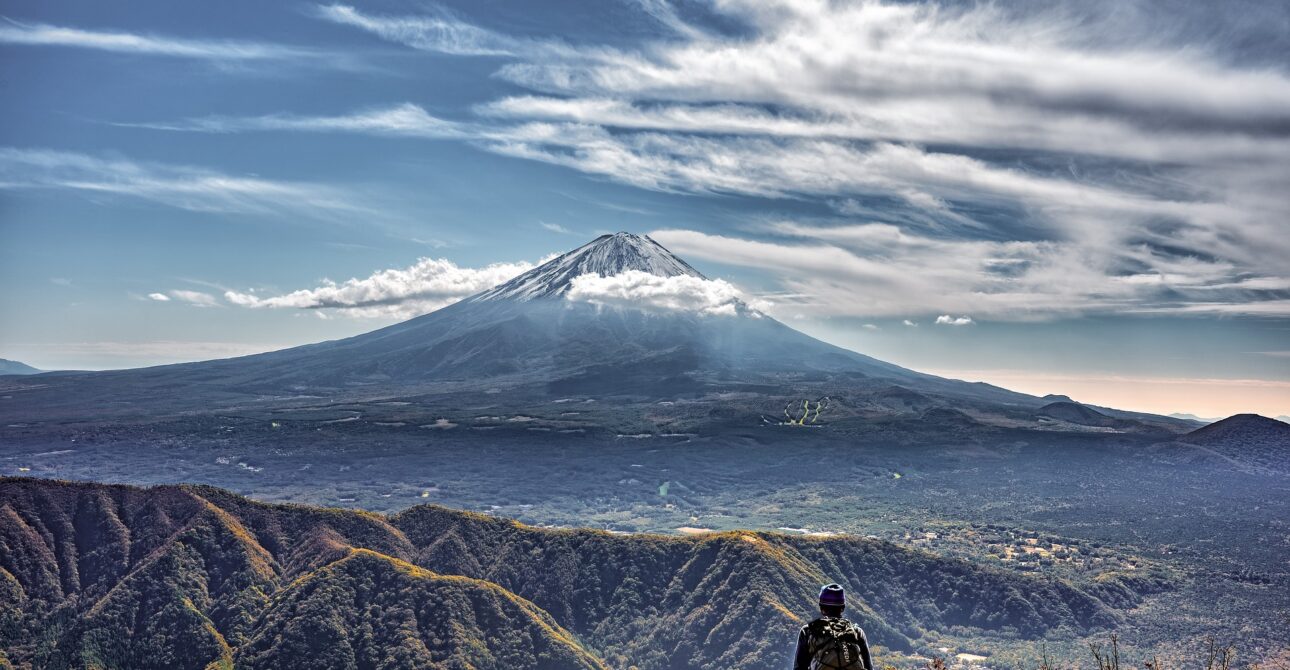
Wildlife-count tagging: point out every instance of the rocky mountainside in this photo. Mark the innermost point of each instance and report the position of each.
(606, 256)
(196, 577)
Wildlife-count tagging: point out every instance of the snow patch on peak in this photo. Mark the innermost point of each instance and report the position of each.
(605, 256)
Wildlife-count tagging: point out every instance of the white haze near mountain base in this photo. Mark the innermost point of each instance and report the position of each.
(642, 290)
(427, 285)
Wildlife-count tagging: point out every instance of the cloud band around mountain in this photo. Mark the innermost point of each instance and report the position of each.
(642, 290)
(427, 285)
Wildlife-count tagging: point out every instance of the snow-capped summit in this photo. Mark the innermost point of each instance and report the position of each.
(607, 255)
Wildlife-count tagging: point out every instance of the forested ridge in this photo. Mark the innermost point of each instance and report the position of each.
(111, 576)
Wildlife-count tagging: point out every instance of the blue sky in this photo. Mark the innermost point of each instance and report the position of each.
(1088, 199)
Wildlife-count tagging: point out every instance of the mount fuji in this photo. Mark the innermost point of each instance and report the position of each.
(540, 338)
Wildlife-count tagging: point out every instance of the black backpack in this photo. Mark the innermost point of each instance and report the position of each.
(836, 646)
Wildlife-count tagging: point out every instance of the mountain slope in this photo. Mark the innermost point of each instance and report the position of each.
(369, 610)
(525, 342)
(179, 576)
(118, 577)
(521, 334)
(606, 256)
(8, 367)
(1249, 440)
(1242, 430)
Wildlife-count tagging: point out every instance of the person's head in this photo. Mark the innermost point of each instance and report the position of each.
(833, 600)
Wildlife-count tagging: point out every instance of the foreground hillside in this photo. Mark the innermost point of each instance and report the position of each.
(197, 577)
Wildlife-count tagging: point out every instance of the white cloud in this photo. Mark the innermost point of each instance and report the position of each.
(1019, 163)
(222, 50)
(841, 59)
(185, 187)
(555, 228)
(870, 326)
(427, 285)
(840, 100)
(909, 323)
(930, 183)
(1264, 308)
(440, 33)
(638, 289)
(161, 297)
(871, 270)
(194, 298)
(663, 12)
(947, 320)
(405, 120)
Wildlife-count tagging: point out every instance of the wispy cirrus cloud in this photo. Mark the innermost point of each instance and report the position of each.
(41, 34)
(181, 186)
(555, 228)
(908, 274)
(437, 32)
(403, 120)
(822, 58)
(1046, 161)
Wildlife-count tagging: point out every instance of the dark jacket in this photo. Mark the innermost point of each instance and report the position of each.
(816, 633)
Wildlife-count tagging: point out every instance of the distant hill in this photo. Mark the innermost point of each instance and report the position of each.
(1091, 416)
(8, 367)
(196, 577)
(1076, 413)
(1242, 430)
(1249, 439)
(1192, 417)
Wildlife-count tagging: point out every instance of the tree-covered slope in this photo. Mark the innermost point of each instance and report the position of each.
(732, 599)
(193, 577)
(369, 610)
(179, 577)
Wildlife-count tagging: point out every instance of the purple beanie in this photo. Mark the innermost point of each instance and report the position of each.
(832, 594)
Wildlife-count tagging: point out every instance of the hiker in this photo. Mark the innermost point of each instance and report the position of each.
(832, 642)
